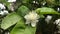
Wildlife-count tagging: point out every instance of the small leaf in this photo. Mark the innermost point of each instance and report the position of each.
(46, 10)
(30, 30)
(25, 1)
(23, 10)
(10, 20)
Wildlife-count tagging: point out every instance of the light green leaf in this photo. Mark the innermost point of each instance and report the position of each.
(30, 30)
(21, 28)
(46, 10)
(23, 10)
(10, 20)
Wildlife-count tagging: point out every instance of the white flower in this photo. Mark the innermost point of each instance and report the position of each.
(1, 13)
(11, 0)
(2, 6)
(48, 18)
(4, 12)
(32, 18)
(57, 22)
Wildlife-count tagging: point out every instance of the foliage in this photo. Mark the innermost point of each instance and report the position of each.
(15, 22)
(10, 20)
(21, 28)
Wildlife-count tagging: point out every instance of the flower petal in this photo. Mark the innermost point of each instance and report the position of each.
(11, 0)
(48, 18)
(34, 23)
(27, 22)
(5, 12)
(2, 6)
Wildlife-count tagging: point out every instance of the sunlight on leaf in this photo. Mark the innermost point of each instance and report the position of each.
(10, 20)
(46, 10)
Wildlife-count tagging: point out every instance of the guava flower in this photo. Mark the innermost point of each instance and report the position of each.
(4, 12)
(11, 0)
(2, 6)
(1, 12)
(48, 18)
(57, 22)
(32, 18)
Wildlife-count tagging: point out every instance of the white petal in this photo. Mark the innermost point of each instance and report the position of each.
(5, 12)
(59, 24)
(2, 13)
(32, 18)
(27, 22)
(2, 6)
(44, 3)
(34, 23)
(57, 21)
(26, 16)
(58, 31)
(11, 0)
(48, 18)
(33, 1)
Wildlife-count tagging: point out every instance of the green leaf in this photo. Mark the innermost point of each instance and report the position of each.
(5, 2)
(25, 1)
(30, 30)
(46, 10)
(10, 20)
(23, 10)
(21, 28)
